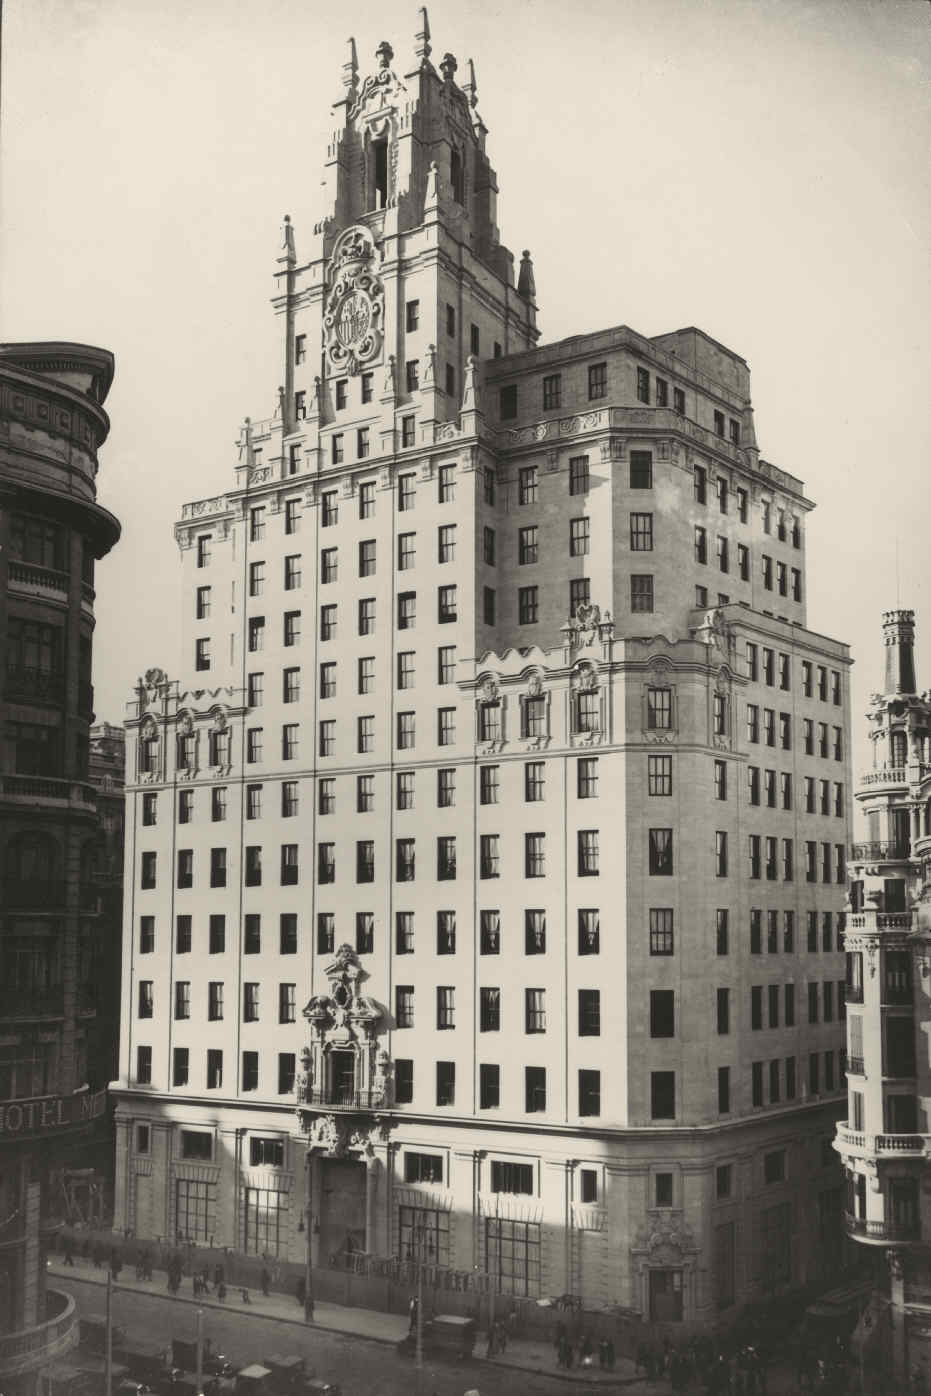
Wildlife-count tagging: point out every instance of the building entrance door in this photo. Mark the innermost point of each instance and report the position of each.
(666, 1296)
(342, 1209)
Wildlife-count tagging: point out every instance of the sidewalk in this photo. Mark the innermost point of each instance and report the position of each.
(524, 1355)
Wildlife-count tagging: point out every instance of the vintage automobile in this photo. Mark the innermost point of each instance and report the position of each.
(445, 1335)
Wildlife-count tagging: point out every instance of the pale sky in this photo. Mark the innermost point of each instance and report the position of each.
(757, 169)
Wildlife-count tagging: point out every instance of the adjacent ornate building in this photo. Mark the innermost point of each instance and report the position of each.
(52, 423)
(885, 1142)
(501, 743)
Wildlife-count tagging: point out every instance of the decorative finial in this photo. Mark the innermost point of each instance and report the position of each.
(280, 412)
(525, 282)
(351, 68)
(286, 254)
(432, 196)
(384, 53)
(470, 388)
(429, 373)
(469, 87)
(422, 48)
(448, 66)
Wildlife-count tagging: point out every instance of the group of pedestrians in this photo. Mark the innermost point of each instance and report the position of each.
(497, 1339)
(581, 1351)
(719, 1368)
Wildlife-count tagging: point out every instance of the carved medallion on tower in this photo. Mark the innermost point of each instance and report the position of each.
(353, 319)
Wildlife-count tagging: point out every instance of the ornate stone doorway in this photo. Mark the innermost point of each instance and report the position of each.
(342, 1206)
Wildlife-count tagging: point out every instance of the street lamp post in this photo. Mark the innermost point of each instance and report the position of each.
(308, 1235)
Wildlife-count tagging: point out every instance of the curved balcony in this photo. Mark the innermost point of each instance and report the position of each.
(880, 1233)
(880, 851)
(29, 576)
(48, 790)
(880, 1145)
(32, 1348)
(885, 775)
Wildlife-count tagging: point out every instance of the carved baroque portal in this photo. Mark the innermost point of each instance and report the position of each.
(342, 1066)
(353, 319)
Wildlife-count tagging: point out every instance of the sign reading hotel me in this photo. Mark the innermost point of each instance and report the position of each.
(23, 1119)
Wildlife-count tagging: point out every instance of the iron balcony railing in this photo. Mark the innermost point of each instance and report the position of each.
(882, 1230)
(343, 1098)
(32, 1347)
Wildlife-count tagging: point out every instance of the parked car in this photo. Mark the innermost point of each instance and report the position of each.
(445, 1335)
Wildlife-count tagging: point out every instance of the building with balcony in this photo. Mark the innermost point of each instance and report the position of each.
(485, 862)
(885, 1142)
(52, 530)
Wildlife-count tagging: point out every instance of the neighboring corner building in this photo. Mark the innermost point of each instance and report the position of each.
(52, 423)
(885, 1142)
(107, 775)
(502, 749)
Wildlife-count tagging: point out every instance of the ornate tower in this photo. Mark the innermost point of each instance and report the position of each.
(884, 1141)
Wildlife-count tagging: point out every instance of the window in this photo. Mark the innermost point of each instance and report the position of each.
(755, 856)
(202, 654)
(534, 1010)
(579, 537)
(579, 480)
(641, 533)
(326, 862)
(488, 605)
(250, 1002)
(659, 775)
(215, 1001)
(589, 931)
(326, 795)
(533, 717)
(720, 780)
(534, 1089)
(662, 1013)
(446, 786)
(590, 1093)
(488, 785)
(446, 545)
(722, 931)
(598, 381)
(203, 549)
(446, 859)
(720, 854)
(446, 605)
(534, 781)
(250, 1071)
(723, 1011)
(589, 1013)
(490, 932)
(527, 484)
(587, 841)
(552, 391)
(145, 1008)
(641, 593)
(489, 855)
(446, 484)
(365, 927)
(534, 855)
(326, 932)
(185, 806)
(662, 1095)
(660, 852)
(722, 551)
(446, 1083)
(534, 931)
(256, 639)
(586, 768)
(527, 605)
(769, 727)
(185, 867)
(489, 1077)
(287, 933)
(405, 790)
(661, 931)
(404, 851)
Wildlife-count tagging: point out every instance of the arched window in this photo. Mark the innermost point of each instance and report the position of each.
(898, 748)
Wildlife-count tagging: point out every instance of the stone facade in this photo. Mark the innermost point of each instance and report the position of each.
(885, 1142)
(498, 748)
(52, 423)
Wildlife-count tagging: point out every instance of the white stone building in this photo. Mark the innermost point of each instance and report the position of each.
(501, 744)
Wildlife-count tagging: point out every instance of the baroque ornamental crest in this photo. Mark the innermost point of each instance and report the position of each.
(353, 318)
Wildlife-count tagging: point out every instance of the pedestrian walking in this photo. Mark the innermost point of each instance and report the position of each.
(218, 1275)
(245, 1295)
(221, 1292)
(69, 1258)
(266, 1281)
(300, 1291)
(412, 1310)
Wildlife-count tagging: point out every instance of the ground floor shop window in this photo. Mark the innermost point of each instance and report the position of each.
(264, 1221)
(512, 1254)
(424, 1234)
(665, 1296)
(195, 1204)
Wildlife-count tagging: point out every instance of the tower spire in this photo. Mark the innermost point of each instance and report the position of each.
(525, 282)
(351, 69)
(422, 48)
